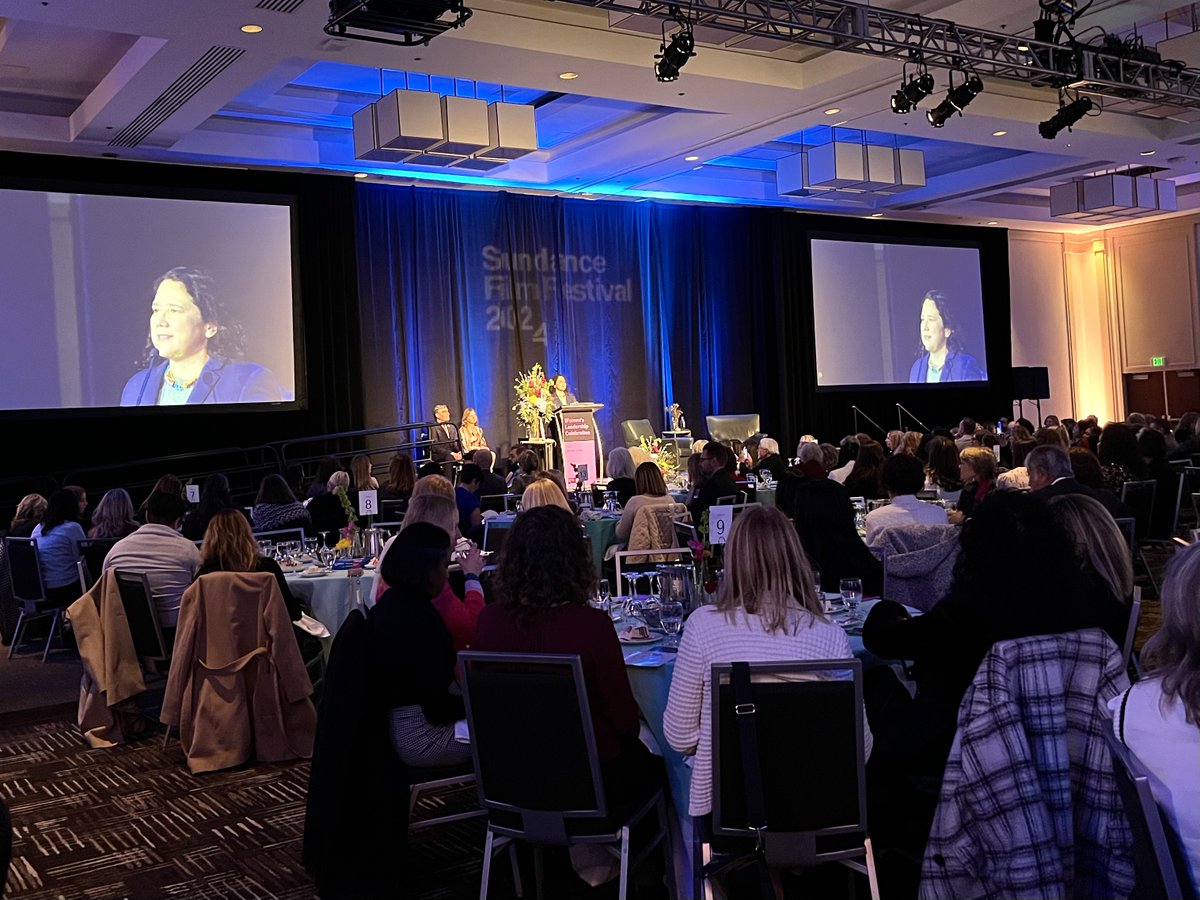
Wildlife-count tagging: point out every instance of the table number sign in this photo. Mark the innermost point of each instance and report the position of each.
(193, 493)
(720, 520)
(368, 503)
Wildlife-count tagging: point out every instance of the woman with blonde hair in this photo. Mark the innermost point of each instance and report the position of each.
(229, 546)
(767, 609)
(544, 492)
(29, 513)
(469, 432)
(433, 484)
(977, 467)
(360, 474)
(114, 516)
(1159, 717)
(1099, 545)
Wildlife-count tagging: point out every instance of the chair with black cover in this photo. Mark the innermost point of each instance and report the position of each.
(94, 550)
(518, 705)
(684, 532)
(1138, 496)
(881, 554)
(393, 510)
(29, 591)
(281, 534)
(1160, 865)
(812, 813)
(1135, 612)
(142, 615)
(633, 430)
(494, 536)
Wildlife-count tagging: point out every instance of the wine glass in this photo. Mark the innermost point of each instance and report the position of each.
(631, 580)
(671, 612)
(605, 596)
(267, 548)
(852, 594)
(816, 574)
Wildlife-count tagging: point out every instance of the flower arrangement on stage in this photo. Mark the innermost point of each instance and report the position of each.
(662, 454)
(350, 531)
(532, 392)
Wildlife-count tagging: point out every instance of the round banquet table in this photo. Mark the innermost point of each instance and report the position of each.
(329, 595)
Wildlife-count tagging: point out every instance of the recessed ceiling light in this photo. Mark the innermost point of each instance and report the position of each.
(252, 29)
(360, 174)
(1149, 152)
(876, 215)
(999, 133)
(833, 110)
(1023, 47)
(568, 76)
(690, 158)
(993, 223)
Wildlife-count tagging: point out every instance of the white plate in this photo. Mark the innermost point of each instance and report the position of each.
(313, 574)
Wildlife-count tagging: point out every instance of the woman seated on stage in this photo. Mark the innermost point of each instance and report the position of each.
(651, 491)
(1159, 717)
(402, 478)
(767, 609)
(545, 578)
(276, 507)
(620, 470)
(114, 516)
(470, 435)
(413, 651)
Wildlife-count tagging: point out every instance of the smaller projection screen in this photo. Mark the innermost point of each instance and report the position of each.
(891, 313)
(119, 301)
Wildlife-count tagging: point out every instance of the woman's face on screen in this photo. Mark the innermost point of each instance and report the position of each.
(934, 332)
(177, 329)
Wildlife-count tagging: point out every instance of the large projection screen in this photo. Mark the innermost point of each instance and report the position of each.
(891, 313)
(146, 301)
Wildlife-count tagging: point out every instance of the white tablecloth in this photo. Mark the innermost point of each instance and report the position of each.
(329, 596)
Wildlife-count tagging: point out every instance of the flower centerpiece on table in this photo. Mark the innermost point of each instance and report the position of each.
(704, 555)
(662, 454)
(349, 538)
(532, 392)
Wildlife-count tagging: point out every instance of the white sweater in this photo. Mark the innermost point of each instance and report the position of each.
(708, 638)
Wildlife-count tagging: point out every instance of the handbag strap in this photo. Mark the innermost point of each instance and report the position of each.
(745, 712)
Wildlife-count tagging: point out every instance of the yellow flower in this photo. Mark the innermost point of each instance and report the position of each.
(343, 544)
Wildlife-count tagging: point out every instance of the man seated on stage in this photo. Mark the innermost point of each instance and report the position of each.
(157, 549)
(769, 458)
(445, 447)
(1050, 475)
(714, 459)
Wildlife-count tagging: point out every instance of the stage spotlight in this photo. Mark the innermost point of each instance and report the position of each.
(912, 93)
(674, 55)
(956, 101)
(1065, 117)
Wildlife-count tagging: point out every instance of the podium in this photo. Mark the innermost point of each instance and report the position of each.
(581, 444)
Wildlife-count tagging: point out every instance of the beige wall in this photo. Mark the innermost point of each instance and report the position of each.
(1093, 307)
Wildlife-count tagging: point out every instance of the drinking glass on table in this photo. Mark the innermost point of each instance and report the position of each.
(605, 596)
(816, 573)
(671, 612)
(267, 549)
(852, 594)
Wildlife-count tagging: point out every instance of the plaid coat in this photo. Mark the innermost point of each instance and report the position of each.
(1029, 807)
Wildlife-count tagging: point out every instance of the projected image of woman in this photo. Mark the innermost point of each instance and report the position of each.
(191, 350)
(941, 358)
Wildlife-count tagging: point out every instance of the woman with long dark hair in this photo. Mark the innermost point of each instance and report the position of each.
(942, 358)
(214, 497)
(58, 538)
(276, 507)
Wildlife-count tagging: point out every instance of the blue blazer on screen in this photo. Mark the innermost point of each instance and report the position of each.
(959, 367)
(221, 381)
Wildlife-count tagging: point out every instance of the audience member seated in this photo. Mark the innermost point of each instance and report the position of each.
(413, 650)
(1086, 468)
(276, 507)
(1051, 436)
(943, 473)
(545, 578)
(1159, 717)
(977, 467)
(157, 549)
(891, 443)
(470, 434)
(863, 480)
(902, 477)
(58, 536)
(1120, 460)
(651, 491)
(1051, 475)
(543, 492)
(1187, 436)
(746, 455)
(696, 477)
(964, 434)
(470, 517)
(320, 483)
(402, 478)
(168, 484)
(361, 478)
(718, 483)
(767, 610)
(1152, 447)
(620, 471)
(434, 484)
(1101, 553)
(492, 485)
(910, 443)
(528, 466)
(847, 454)
(829, 457)
(214, 497)
(114, 516)
(811, 467)
(326, 513)
(946, 645)
(824, 518)
(29, 514)
(769, 458)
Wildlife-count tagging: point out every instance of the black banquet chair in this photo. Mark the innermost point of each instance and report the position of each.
(518, 706)
(142, 615)
(814, 813)
(29, 591)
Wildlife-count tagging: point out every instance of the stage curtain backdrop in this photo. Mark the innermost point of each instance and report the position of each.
(638, 304)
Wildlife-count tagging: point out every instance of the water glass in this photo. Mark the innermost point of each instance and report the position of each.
(267, 549)
(852, 594)
(816, 574)
(671, 612)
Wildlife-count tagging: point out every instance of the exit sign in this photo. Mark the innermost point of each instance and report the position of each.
(1158, 361)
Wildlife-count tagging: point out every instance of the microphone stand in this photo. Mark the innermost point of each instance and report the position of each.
(868, 418)
(900, 418)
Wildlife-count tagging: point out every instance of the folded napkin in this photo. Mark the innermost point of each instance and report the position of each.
(312, 626)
